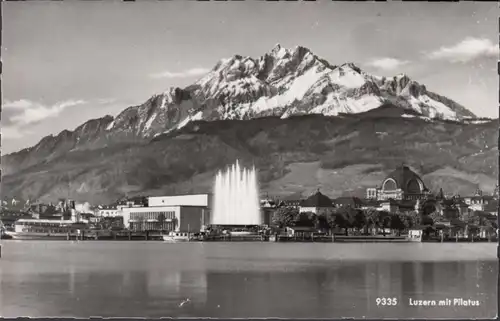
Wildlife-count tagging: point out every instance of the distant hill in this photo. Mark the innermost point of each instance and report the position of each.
(294, 155)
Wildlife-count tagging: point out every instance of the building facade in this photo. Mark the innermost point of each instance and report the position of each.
(348, 201)
(401, 184)
(166, 218)
(479, 201)
(109, 211)
(204, 200)
(316, 203)
(178, 213)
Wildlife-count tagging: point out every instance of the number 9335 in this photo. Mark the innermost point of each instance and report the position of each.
(386, 301)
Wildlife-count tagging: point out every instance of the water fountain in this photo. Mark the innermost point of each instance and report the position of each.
(236, 197)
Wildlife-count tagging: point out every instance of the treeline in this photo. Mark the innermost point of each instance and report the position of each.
(371, 221)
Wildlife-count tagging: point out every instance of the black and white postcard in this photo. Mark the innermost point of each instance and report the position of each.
(249, 159)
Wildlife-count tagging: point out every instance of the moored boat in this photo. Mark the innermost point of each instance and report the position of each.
(37, 229)
(178, 237)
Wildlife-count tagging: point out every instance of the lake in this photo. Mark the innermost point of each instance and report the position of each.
(295, 280)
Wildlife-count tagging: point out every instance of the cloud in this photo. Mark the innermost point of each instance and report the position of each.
(25, 112)
(467, 50)
(387, 63)
(193, 72)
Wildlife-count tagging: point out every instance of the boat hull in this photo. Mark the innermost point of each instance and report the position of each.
(36, 236)
(173, 239)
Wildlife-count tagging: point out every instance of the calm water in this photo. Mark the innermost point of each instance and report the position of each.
(139, 279)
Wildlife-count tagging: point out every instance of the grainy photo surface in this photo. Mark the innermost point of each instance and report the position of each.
(249, 159)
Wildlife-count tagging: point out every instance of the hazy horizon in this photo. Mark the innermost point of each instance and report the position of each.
(68, 62)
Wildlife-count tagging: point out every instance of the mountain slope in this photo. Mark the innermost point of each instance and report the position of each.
(340, 154)
(282, 83)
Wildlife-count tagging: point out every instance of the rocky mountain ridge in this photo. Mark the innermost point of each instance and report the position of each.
(341, 155)
(282, 84)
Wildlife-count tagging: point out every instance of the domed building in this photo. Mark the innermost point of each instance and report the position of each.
(401, 184)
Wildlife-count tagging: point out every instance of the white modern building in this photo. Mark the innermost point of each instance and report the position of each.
(204, 200)
(180, 213)
(167, 218)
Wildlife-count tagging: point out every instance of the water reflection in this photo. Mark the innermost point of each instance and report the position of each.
(350, 290)
(333, 290)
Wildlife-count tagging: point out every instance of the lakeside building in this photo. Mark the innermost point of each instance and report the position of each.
(179, 213)
(391, 206)
(108, 211)
(203, 200)
(400, 184)
(316, 203)
(290, 203)
(478, 201)
(116, 209)
(348, 201)
(166, 218)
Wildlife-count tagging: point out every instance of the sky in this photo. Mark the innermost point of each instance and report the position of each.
(70, 61)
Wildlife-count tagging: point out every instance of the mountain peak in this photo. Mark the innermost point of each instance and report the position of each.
(278, 51)
(293, 81)
(282, 82)
(352, 66)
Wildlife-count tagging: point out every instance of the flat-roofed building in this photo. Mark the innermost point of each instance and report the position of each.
(204, 200)
(166, 218)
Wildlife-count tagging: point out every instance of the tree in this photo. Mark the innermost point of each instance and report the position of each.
(397, 222)
(372, 217)
(305, 219)
(285, 216)
(436, 217)
(346, 219)
(426, 220)
(483, 221)
(321, 221)
(359, 219)
(428, 208)
(334, 219)
(413, 219)
(384, 221)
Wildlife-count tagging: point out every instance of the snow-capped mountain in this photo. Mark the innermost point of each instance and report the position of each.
(283, 82)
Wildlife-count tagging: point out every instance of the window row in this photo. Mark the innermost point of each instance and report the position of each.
(152, 215)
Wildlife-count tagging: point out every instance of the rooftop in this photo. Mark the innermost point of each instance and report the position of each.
(317, 200)
(403, 175)
(348, 201)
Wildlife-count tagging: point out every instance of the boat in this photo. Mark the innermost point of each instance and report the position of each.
(178, 237)
(39, 229)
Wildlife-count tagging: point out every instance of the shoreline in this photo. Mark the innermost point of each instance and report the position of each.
(256, 238)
